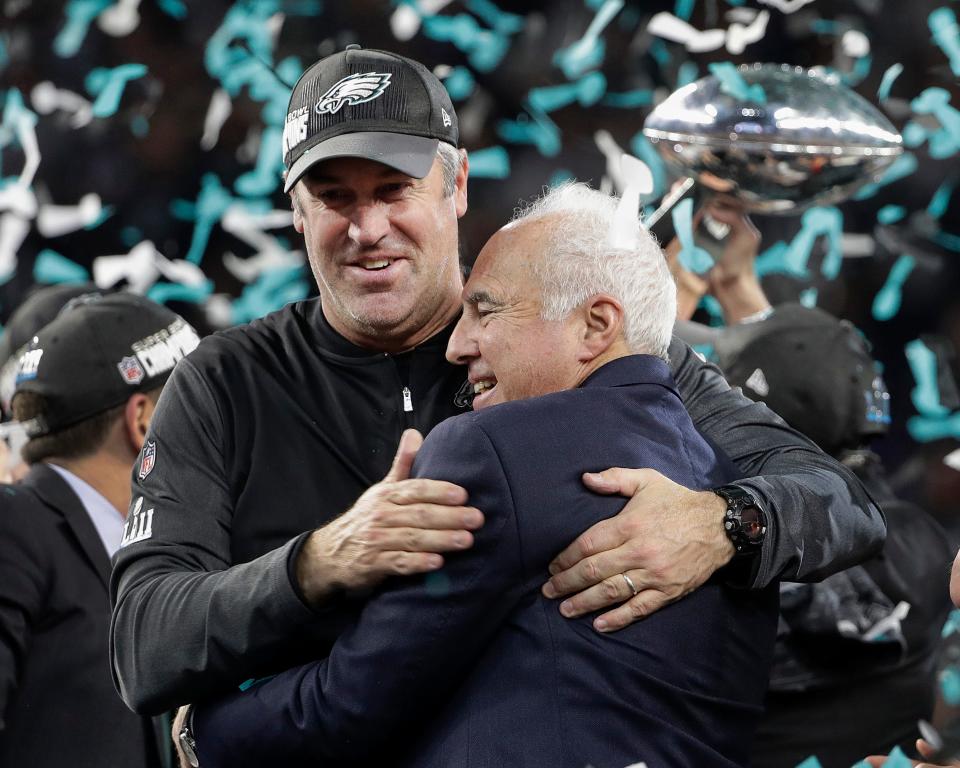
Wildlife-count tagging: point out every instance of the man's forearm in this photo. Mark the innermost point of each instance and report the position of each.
(177, 636)
(821, 519)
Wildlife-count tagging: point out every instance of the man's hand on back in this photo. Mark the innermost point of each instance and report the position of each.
(397, 527)
(668, 540)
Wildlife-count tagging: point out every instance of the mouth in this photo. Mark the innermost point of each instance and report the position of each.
(483, 391)
(375, 265)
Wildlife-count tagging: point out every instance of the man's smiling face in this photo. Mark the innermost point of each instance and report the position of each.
(510, 350)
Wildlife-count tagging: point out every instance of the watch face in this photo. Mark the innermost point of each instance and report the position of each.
(750, 524)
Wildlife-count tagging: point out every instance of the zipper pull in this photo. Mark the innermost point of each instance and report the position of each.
(407, 401)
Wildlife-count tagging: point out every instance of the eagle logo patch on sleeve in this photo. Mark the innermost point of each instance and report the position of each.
(353, 89)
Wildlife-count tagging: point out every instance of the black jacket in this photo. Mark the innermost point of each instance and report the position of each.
(58, 706)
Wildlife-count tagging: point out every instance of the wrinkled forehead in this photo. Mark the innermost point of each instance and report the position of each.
(506, 264)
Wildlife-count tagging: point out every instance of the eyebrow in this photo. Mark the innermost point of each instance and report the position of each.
(385, 173)
(482, 297)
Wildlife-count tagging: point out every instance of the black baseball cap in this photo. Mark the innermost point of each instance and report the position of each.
(814, 370)
(39, 308)
(97, 353)
(371, 104)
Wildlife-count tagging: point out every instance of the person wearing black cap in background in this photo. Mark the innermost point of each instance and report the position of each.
(856, 662)
(86, 386)
(270, 431)
(38, 309)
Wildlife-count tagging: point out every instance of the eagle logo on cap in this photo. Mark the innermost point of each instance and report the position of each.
(353, 89)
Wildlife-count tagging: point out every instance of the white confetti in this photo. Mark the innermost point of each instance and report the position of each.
(217, 113)
(740, 36)
(121, 19)
(952, 460)
(785, 6)
(138, 268)
(855, 44)
(56, 220)
(669, 27)
(46, 98)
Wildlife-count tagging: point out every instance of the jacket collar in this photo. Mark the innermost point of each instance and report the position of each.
(54, 491)
(632, 369)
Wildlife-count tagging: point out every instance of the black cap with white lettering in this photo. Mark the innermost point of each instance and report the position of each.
(371, 104)
(96, 353)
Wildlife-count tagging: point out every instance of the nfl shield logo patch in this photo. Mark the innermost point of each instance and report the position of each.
(131, 370)
(147, 459)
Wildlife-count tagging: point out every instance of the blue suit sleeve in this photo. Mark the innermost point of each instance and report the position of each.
(411, 646)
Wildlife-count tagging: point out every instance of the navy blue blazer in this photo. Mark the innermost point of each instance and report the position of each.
(471, 667)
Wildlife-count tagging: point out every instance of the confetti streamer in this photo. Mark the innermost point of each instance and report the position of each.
(502, 22)
(587, 91)
(641, 147)
(108, 84)
(786, 6)
(897, 759)
(890, 214)
(484, 48)
(926, 395)
(588, 52)
(51, 267)
(459, 83)
(886, 83)
(211, 204)
(120, 19)
(945, 141)
(810, 762)
(822, 221)
(898, 169)
(642, 97)
(946, 34)
(490, 163)
(80, 15)
(732, 82)
(541, 132)
(46, 98)
(941, 200)
(925, 429)
(952, 460)
(193, 294)
(808, 297)
(638, 181)
(886, 303)
(691, 256)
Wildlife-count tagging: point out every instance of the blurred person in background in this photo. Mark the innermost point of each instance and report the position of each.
(856, 658)
(86, 386)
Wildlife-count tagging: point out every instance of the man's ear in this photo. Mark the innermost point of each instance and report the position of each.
(136, 419)
(297, 211)
(602, 317)
(460, 191)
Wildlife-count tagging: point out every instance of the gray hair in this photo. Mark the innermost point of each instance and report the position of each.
(451, 160)
(578, 262)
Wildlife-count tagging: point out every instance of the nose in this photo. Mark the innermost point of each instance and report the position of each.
(369, 224)
(462, 347)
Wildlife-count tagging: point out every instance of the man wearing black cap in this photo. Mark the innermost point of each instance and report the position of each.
(270, 431)
(855, 664)
(86, 385)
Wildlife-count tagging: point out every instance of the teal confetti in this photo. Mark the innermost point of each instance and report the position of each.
(683, 9)
(105, 213)
(541, 132)
(896, 759)
(952, 624)
(810, 762)
(732, 82)
(459, 83)
(641, 147)
(271, 291)
(80, 14)
(588, 91)
(886, 83)
(265, 177)
(248, 684)
(823, 27)
(773, 261)
(130, 236)
(925, 429)
(212, 203)
(642, 97)
(923, 364)
(484, 48)
(808, 297)
(706, 350)
(489, 163)
(658, 49)
(945, 141)
(560, 176)
(946, 34)
(502, 22)
(691, 256)
(174, 8)
(51, 267)
(947, 240)
(861, 764)
(886, 303)
(898, 169)
(194, 294)
(891, 214)
(823, 221)
(4, 55)
(588, 52)
(941, 200)
(687, 73)
(914, 134)
(710, 305)
(108, 84)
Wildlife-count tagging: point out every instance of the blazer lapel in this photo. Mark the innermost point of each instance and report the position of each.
(55, 493)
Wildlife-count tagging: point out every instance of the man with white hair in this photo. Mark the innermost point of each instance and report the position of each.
(471, 665)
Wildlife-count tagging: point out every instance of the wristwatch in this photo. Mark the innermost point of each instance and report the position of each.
(188, 744)
(744, 522)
